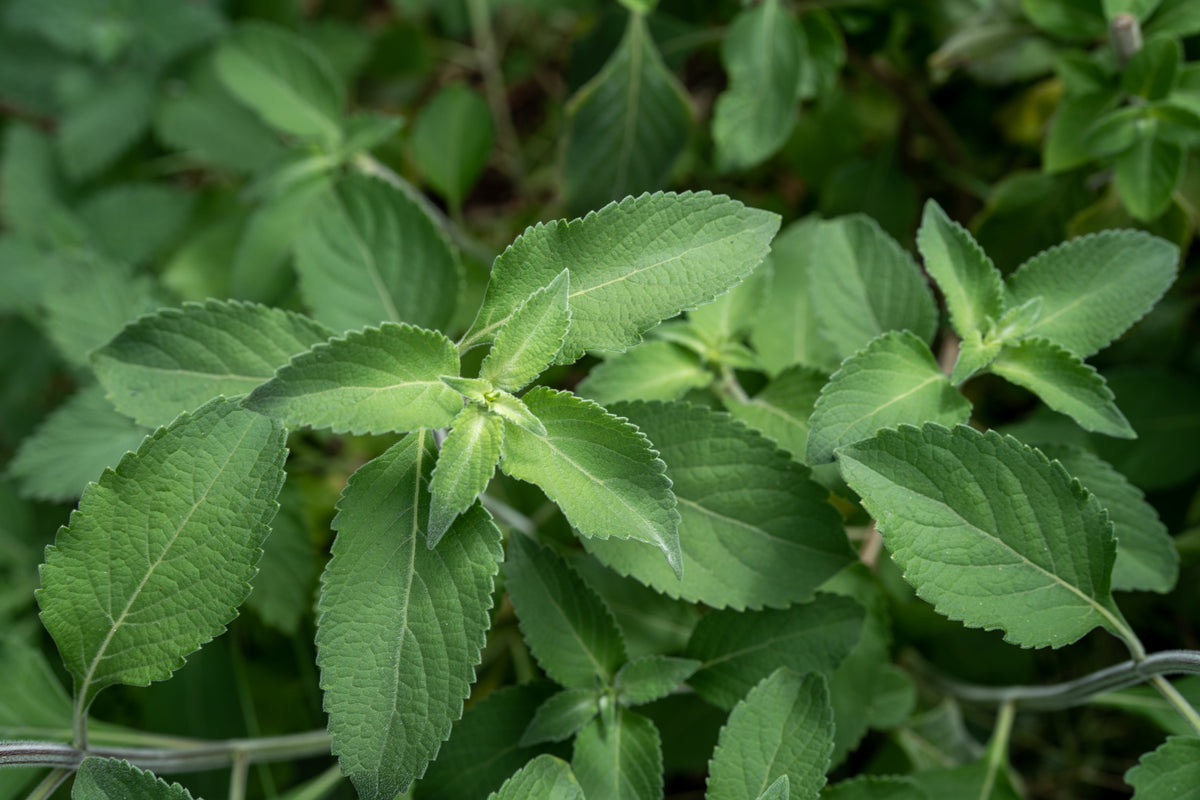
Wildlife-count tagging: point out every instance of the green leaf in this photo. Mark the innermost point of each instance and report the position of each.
(619, 760)
(779, 790)
(474, 389)
(727, 319)
(97, 130)
(784, 726)
(283, 587)
(451, 141)
(1138, 8)
(1146, 556)
(1065, 383)
(974, 356)
(1073, 20)
(894, 380)
(626, 127)
(865, 284)
(644, 680)
(1172, 772)
(1161, 404)
(567, 626)
(262, 263)
(1095, 287)
(161, 211)
(562, 716)
(650, 622)
(1020, 546)
(545, 777)
(1176, 17)
(601, 471)
(1148, 173)
(72, 446)
(371, 254)
(31, 188)
(400, 626)
(33, 702)
(1067, 146)
(782, 409)
(114, 779)
(284, 79)
(513, 409)
(650, 256)
(465, 467)
(1152, 70)
(763, 54)
(739, 649)
(159, 553)
(978, 781)
(968, 279)
(531, 338)
(177, 358)
(373, 381)
(875, 787)
(654, 370)
(755, 530)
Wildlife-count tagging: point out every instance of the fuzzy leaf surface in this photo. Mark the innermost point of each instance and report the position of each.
(755, 530)
(159, 554)
(531, 338)
(464, 468)
(1172, 772)
(1095, 287)
(969, 281)
(400, 626)
(633, 264)
(371, 381)
(114, 779)
(875, 787)
(784, 726)
(654, 370)
(781, 411)
(739, 649)
(562, 716)
(600, 470)
(1018, 545)
(643, 680)
(567, 626)
(177, 358)
(545, 777)
(621, 760)
(893, 380)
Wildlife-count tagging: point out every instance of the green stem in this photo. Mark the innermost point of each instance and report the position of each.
(998, 747)
(237, 777)
(49, 784)
(493, 85)
(1178, 701)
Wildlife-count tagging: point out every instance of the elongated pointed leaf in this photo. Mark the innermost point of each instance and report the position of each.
(562, 716)
(969, 281)
(784, 726)
(1172, 772)
(895, 379)
(600, 470)
(650, 257)
(373, 381)
(531, 338)
(653, 370)
(177, 358)
(626, 127)
(620, 760)
(1015, 544)
(513, 410)
(1095, 287)
(114, 779)
(763, 53)
(545, 777)
(974, 355)
(567, 626)
(1065, 383)
(159, 553)
(739, 649)
(400, 626)
(464, 468)
(643, 680)
(754, 529)
(781, 411)
(371, 254)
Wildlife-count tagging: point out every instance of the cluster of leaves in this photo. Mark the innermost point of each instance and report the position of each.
(282, 351)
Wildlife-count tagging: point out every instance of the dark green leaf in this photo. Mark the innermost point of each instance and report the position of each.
(451, 141)
(562, 716)
(113, 779)
(545, 777)
(619, 760)
(644, 680)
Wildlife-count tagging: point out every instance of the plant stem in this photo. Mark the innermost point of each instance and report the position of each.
(1177, 700)
(493, 86)
(49, 784)
(998, 746)
(237, 777)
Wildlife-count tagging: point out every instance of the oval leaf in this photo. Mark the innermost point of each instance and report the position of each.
(545, 777)
(464, 468)
(620, 759)
(114, 779)
(1172, 772)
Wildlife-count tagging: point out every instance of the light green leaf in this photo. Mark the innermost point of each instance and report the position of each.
(784, 726)
(621, 760)
(545, 777)
(567, 626)
(875, 787)
(1146, 556)
(1148, 173)
(739, 649)
(650, 257)
(601, 471)
(755, 530)
(1015, 323)
(779, 790)
(1172, 772)
(562, 716)
(1095, 287)
(974, 355)
(159, 553)
(644, 680)
(464, 468)
(72, 446)
(513, 410)
(531, 338)
(284, 79)
(451, 141)
(727, 319)
(176, 358)
(366, 130)
(969, 281)
(654, 370)
(782, 409)
(865, 284)
(626, 127)
(474, 389)
(1065, 383)
(400, 626)
(894, 380)
(763, 54)
(371, 254)
(94, 132)
(373, 381)
(1020, 546)
(114, 779)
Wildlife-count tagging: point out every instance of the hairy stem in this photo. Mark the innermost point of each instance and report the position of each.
(1177, 701)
